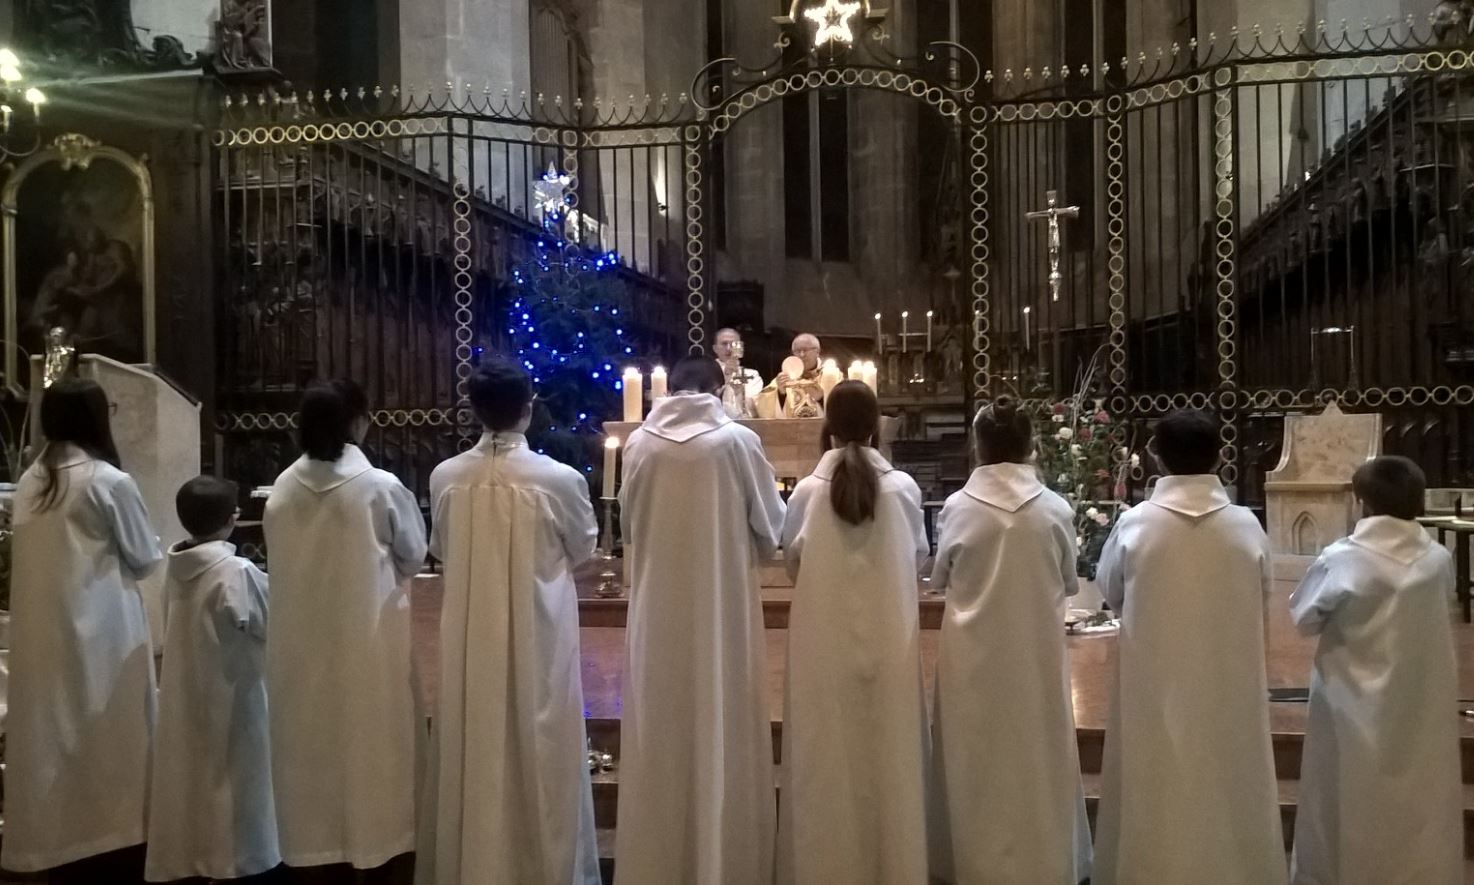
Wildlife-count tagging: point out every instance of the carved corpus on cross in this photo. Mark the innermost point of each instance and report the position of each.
(1056, 241)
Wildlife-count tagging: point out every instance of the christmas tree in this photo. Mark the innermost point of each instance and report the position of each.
(565, 315)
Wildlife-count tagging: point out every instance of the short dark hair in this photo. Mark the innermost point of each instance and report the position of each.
(1003, 432)
(500, 392)
(697, 374)
(1391, 486)
(328, 411)
(206, 505)
(1187, 442)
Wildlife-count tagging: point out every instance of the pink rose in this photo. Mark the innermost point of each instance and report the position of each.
(1102, 417)
(1059, 408)
(1120, 491)
(1085, 433)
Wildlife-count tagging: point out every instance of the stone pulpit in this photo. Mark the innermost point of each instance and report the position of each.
(1309, 501)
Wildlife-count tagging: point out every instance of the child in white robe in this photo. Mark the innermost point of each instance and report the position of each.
(1380, 792)
(1007, 766)
(855, 743)
(1188, 791)
(211, 807)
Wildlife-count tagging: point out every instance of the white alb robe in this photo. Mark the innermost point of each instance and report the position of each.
(513, 804)
(700, 505)
(1010, 799)
(211, 809)
(1188, 793)
(81, 718)
(342, 540)
(1380, 795)
(855, 742)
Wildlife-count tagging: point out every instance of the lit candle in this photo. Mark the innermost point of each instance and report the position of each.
(1028, 336)
(928, 331)
(634, 405)
(611, 465)
(905, 320)
(871, 376)
(657, 383)
(829, 377)
(857, 371)
(879, 336)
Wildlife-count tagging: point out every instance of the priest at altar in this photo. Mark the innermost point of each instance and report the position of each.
(796, 393)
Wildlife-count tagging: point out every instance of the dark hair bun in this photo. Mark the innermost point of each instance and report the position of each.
(1004, 408)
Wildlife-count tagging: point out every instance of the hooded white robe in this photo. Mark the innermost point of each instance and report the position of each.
(343, 540)
(81, 714)
(1010, 799)
(1188, 793)
(211, 809)
(855, 742)
(700, 504)
(513, 804)
(1380, 794)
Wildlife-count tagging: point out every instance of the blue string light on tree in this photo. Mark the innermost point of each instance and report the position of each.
(562, 321)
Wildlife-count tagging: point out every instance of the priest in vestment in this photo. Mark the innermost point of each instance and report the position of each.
(800, 397)
(1188, 790)
(739, 395)
(510, 796)
(700, 506)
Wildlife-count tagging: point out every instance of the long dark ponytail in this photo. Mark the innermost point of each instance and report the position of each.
(852, 420)
(73, 411)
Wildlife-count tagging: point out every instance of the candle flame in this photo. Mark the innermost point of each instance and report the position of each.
(611, 443)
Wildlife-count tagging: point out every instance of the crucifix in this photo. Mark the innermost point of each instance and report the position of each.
(1054, 214)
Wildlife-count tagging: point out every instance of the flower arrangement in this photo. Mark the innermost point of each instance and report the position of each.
(1079, 458)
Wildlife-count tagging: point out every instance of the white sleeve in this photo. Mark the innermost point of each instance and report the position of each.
(573, 515)
(917, 517)
(1110, 574)
(947, 546)
(1319, 595)
(765, 508)
(245, 600)
(406, 539)
(793, 524)
(1069, 561)
(127, 519)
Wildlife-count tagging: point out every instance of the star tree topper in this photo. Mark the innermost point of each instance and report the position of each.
(834, 20)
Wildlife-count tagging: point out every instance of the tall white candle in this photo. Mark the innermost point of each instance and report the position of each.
(871, 377)
(857, 371)
(928, 331)
(657, 383)
(905, 330)
(879, 336)
(634, 391)
(611, 465)
(829, 377)
(1028, 336)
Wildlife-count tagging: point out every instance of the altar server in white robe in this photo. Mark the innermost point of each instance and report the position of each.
(513, 802)
(701, 507)
(81, 716)
(1380, 795)
(1009, 795)
(211, 812)
(1188, 793)
(855, 742)
(343, 539)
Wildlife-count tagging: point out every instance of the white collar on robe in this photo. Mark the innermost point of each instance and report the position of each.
(1006, 486)
(324, 476)
(831, 458)
(188, 563)
(492, 442)
(682, 417)
(1401, 540)
(1194, 496)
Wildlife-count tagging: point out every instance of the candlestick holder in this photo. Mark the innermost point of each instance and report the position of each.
(609, 583)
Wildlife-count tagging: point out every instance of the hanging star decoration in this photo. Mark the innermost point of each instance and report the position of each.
(833, 22)
(551, 191)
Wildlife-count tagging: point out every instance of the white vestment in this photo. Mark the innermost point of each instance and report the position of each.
(1188, 792)
(343, 540)
(1011, 805)
(700, 504)
(513, 804)
(211, 811)
(82, 676)
(855, 742)
(1380, 796)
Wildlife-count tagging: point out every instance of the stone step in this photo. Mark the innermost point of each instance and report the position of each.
(1288, 748)
(606, 803)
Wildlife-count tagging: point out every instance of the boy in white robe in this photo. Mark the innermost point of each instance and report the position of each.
(1188, 792)
(512, 800)
(1006, 558)
(1380, 795)
(211, 808)
(700, 506)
